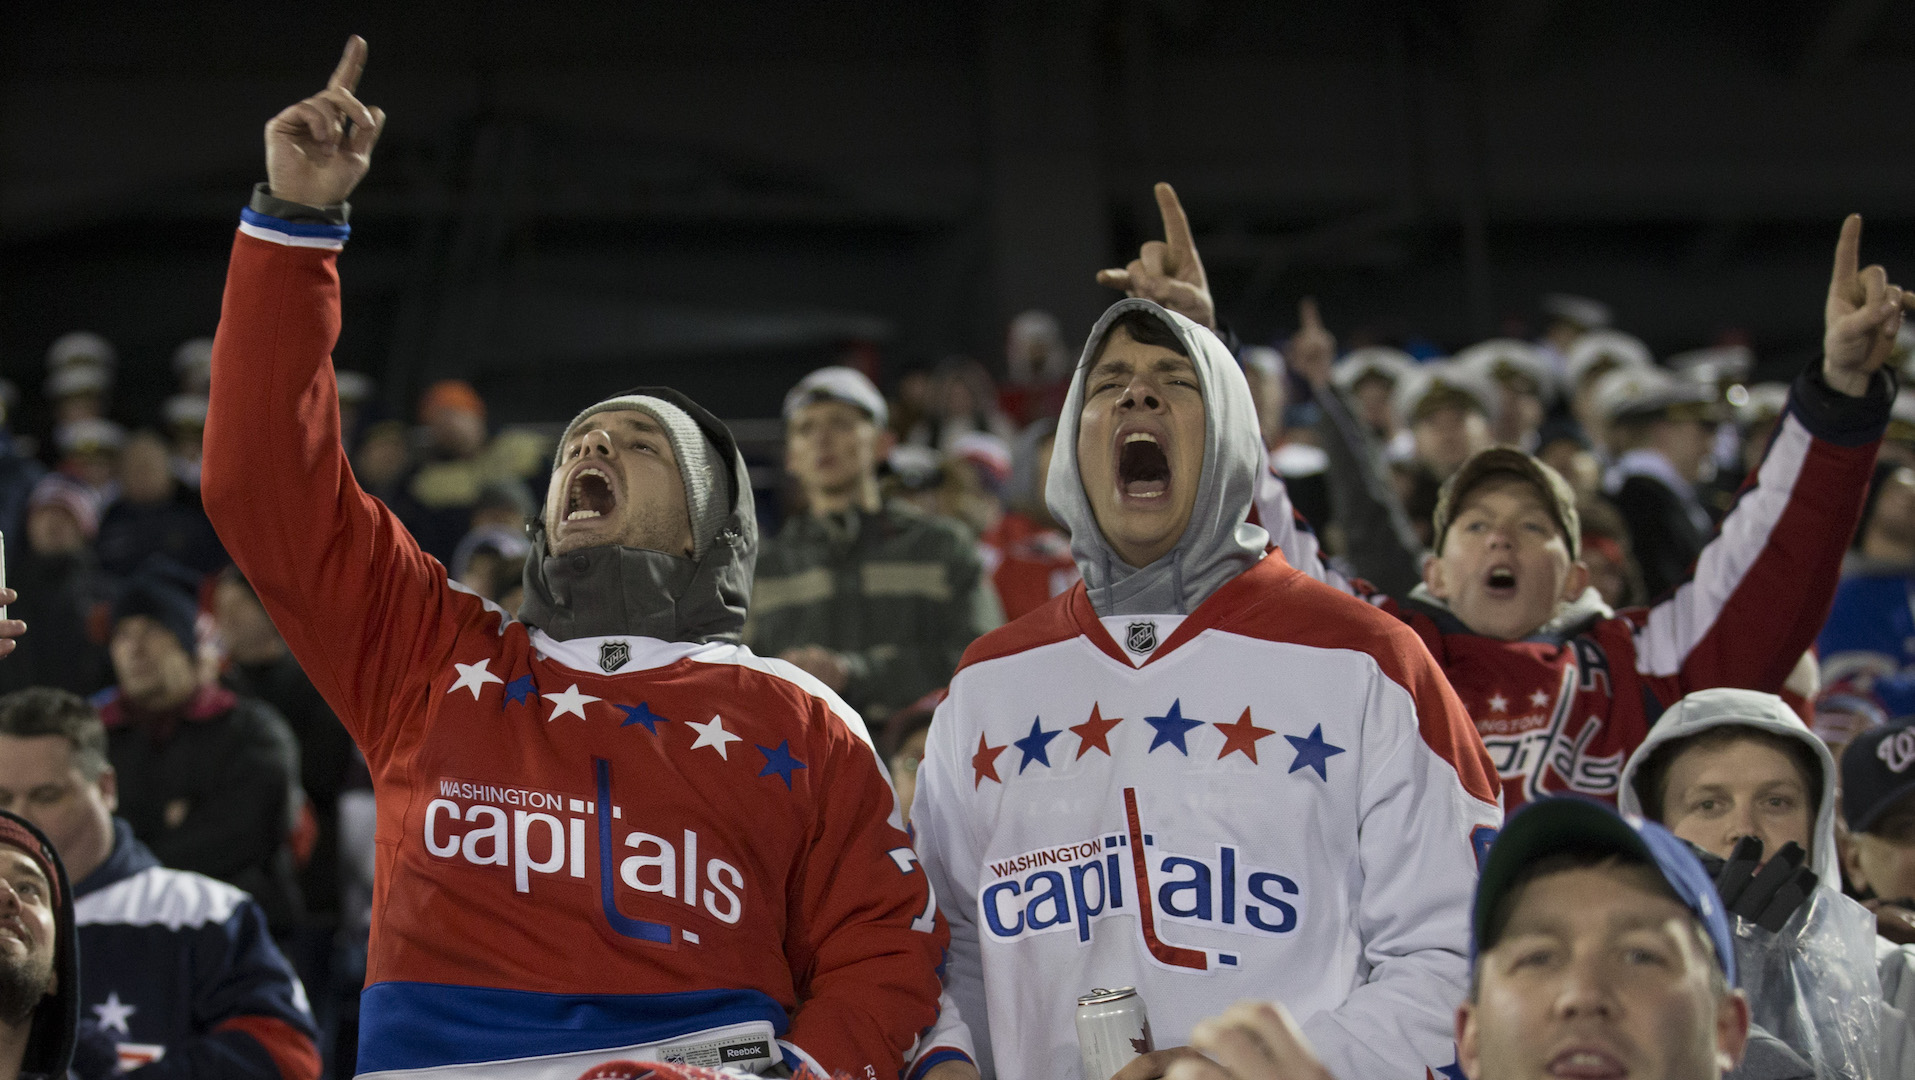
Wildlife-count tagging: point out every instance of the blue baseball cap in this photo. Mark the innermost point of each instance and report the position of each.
(1569, 824)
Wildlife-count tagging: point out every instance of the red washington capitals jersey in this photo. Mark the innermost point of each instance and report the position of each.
(584, 845)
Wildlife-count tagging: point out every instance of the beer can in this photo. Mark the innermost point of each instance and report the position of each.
(1112, 1031)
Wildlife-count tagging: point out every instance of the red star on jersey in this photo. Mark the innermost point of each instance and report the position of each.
(1242, 735)
(1091, 733)
(985, 762)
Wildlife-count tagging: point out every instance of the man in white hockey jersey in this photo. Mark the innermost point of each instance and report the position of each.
(1199, 772)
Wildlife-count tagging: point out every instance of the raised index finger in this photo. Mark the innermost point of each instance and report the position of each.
(1176, 225)
(1847, 256)
(1307, 314)
(351, 63)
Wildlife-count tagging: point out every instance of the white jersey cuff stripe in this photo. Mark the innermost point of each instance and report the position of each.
(293, 234)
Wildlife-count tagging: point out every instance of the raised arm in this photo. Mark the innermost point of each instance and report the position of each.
(1379, 541)
(1762, 587)
(357, 602)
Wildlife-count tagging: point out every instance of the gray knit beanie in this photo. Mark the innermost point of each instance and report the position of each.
(707, 477)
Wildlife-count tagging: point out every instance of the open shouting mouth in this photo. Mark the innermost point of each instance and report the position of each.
(1143, 470)
(589, 495)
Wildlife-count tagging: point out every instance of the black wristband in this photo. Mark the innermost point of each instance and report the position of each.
(265, 202)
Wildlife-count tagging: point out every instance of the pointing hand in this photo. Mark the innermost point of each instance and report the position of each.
(318, 150)
(1168, 271)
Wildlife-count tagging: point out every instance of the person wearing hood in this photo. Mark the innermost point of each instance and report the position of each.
(607, 832)
(39, 957)
(1563, 688)
(1175, 775)
(1738, 775)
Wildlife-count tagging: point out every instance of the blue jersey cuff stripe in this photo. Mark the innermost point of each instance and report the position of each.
(935, 1058)
(294, 228)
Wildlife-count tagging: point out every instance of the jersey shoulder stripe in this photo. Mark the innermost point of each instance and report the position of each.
(1053, 621)
(1276, 602)
(794, 677)
(157, 896)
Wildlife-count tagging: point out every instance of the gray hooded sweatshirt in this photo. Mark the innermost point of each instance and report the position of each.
(1219, 543)
(1835, 928)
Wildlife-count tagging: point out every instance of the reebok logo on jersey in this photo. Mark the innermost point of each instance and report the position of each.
(1069, 888)
(542, 832)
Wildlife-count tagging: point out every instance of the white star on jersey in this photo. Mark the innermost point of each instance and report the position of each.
(1498, 703)
(714, 735)
(571, 701)
(472, 677)
(1540, 699)
(113, 1014)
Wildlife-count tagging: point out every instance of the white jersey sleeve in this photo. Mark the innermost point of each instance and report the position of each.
(951, 861)
(1417, 849)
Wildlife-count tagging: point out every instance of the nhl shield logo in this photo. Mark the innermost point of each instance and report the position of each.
(613, 654)
(1141, 637)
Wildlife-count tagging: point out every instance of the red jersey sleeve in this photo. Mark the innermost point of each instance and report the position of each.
(865, 934)
(369, 616)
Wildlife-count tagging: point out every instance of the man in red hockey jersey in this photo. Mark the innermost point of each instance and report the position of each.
(607, 832)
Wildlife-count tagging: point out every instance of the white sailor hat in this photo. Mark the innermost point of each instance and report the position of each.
(1579, 310)
(1263, 359)
(1599, 350)
(80, 378)
(193, 354)
(1902, 357)
(1901, 417)
(80, 347)
(1718, 365)
(1644, 393)
(1502, 358)
(185, 410)
(1763, 401)
(1373, 361)
(1442, 382)
(79, 436)
(354, 387)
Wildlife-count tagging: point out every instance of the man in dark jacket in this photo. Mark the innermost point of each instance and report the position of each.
(209, 780)
(181, 978)
(876, 599)
(39, 958)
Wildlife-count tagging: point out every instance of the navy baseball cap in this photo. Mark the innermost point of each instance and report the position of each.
(1569, 824)
(1878, 771)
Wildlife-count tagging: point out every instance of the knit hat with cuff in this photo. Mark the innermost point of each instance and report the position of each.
(706, 475)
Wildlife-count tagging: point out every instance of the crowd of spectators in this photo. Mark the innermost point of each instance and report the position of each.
(914, 524)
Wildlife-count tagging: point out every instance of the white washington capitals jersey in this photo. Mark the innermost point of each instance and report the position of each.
(1284, 801)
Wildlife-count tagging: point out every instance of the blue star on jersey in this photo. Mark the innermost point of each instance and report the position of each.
(1313, 752)
(521, 688)
(641, 713)
(1035, 746)
(1171, 728)
(778, 761)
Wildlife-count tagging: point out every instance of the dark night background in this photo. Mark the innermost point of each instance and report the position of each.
(571, 199)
